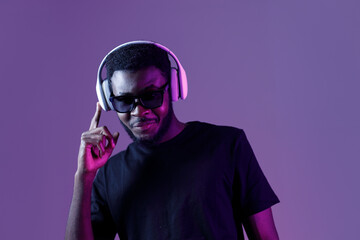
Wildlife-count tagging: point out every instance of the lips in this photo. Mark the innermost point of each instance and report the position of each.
(143, 124)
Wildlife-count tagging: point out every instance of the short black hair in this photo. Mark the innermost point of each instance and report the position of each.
(134, 57)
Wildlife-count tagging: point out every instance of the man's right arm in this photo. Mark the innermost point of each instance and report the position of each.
(96, 147)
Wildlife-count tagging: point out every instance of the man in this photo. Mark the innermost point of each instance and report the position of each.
(176, 180)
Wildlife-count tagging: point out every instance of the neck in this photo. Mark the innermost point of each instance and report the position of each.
(175, 127)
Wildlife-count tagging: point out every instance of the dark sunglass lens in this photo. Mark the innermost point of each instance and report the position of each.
(152, 99)
(123, 104)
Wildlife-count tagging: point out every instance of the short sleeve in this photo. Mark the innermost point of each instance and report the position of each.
(252, 191)
(102, 223)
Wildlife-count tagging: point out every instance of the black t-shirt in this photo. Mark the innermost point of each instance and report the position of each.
(199, 185)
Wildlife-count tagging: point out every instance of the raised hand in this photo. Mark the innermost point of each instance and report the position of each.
(96, 146)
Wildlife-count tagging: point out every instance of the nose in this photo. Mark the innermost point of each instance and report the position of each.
(139, 110)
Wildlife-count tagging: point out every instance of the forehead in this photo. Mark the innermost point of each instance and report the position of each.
(134, 82)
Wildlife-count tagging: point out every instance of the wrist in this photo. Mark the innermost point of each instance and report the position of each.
(86, 178)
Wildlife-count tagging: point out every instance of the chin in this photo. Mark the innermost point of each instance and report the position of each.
(145, 140)
(146, 135)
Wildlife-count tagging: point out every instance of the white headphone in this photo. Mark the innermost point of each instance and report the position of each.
(178, 81)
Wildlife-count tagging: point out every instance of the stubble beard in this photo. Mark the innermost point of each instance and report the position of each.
(164, 127)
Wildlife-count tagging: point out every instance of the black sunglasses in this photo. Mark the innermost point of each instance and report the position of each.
(149, 100)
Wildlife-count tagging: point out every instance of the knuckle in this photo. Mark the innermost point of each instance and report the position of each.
(84, 135)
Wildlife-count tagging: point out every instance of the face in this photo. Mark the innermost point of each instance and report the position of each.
(142, 124)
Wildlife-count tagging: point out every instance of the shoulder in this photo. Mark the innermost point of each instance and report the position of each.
(217, 130)
(227, 138)
(114, 162)
(113, 169)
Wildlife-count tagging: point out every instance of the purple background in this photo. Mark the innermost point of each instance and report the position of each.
(285, 71)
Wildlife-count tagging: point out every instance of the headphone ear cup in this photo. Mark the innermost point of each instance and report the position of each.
(101, 96)
(174, 85)
(107, 93)
(183, 86)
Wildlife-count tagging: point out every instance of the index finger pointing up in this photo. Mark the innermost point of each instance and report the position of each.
(95, 120)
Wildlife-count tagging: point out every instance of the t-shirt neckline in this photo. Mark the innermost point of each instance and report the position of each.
(173, 141)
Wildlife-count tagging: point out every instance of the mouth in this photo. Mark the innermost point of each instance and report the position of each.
(143, 125)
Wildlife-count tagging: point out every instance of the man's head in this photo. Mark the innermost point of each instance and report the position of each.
(137, 73)
(139, 56)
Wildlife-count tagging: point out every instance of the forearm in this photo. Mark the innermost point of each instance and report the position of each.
(79, 221)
